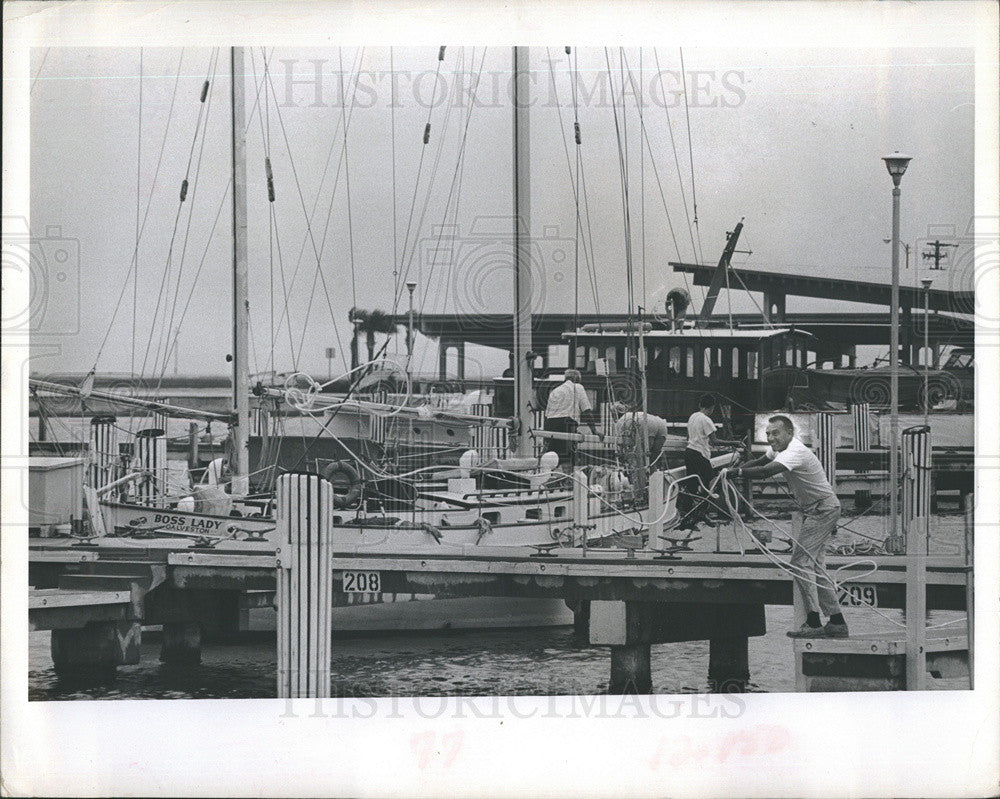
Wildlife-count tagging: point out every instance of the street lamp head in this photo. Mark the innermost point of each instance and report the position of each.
(896, 164)
(926, 282)
(411, 285)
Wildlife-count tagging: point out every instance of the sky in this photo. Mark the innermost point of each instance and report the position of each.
(789, 140)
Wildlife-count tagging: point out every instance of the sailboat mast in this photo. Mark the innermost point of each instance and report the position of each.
(240, 462)
(523, 378)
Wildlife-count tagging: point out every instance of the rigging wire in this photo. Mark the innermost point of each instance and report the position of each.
(286, 311)
(347, 176)
(317, 252)
(680, 179)
(138, 213)
(395, 205)
(694, 196)
(416, 183)
(133, 266)
(165, 280)
(172, 346)
(577, 180)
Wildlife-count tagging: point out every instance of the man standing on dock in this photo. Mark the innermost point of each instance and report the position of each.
(566, 406)
(697, 461)
(820, 508)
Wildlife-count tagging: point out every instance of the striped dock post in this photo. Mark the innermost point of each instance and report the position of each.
(916, 519)
(160, 417)
(304, 595)
(970, 606)
(916, 509)
(581, 505)
(656, 508)
(103, 451)
(826, 437)
(861, 415)
(151, 456)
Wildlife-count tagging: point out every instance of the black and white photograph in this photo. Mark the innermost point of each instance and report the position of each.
(402, 401)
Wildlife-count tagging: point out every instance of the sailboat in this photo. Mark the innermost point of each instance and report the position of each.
(539, 515)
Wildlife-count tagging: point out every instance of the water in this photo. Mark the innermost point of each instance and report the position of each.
(527, 662)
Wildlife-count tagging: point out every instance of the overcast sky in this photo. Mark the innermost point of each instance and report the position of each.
(790, 139)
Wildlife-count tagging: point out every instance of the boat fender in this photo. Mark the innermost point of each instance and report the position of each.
(346, 483)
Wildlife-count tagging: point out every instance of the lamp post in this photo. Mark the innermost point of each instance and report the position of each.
(926, 283)
(896, 164)
(410, 286)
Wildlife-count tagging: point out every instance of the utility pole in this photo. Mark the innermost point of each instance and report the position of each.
(937, 255)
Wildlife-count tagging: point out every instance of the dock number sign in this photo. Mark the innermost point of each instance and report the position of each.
(857, 595)
(362, 582)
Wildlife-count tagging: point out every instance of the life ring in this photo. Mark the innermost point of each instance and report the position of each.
(346, 483)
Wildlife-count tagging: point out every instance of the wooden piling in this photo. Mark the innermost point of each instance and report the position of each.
(728, 664)
(96, 649)
(630, 670)
(180, 644)
(304, 577)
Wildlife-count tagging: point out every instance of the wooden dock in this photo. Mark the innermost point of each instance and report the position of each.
(626, 599)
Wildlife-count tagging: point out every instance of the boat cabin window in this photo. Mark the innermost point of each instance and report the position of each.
(706, 361)
(689, 361)
(674, 360)
(751, 372)
(736, 362)
(492, 516)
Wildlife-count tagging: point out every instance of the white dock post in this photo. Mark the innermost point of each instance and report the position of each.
(160, 416)
(304, 518)
(917, 480)
(151, 456)
(970, 605)
(916, 521)
(655, 509)
(861, 414)
(581, 505)
(826, 436)
(103, 451)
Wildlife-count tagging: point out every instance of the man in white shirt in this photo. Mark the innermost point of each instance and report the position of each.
(697, 461)
(566, 406)
(820, 510)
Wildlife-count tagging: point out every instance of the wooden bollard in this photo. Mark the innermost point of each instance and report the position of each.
(304, 519)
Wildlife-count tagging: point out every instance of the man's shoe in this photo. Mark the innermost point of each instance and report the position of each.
(805, 631)
(832, 630)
